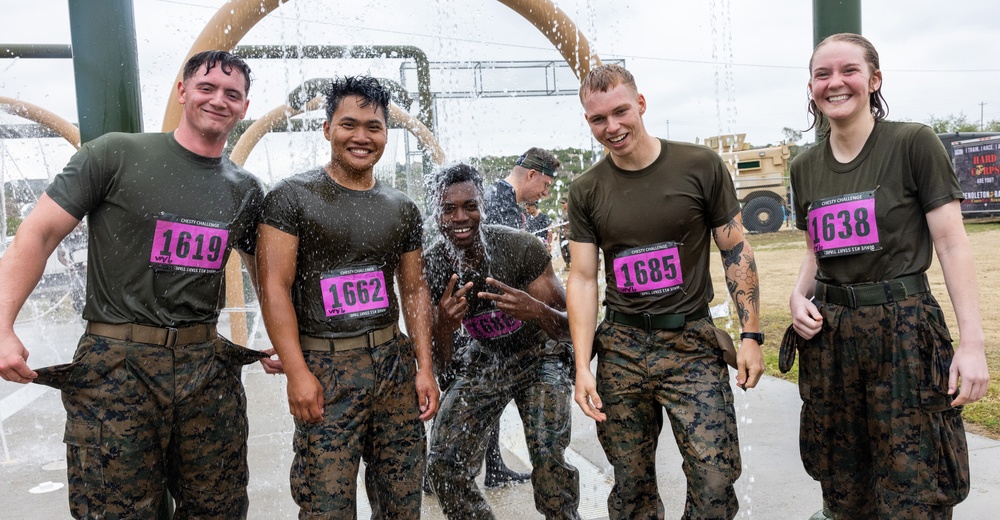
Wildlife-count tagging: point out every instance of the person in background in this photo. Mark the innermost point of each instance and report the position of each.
(538, 223)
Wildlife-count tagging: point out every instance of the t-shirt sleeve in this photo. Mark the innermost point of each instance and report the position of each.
(536, 258)
(282, 209)
(581, 228)
(933, 172)
(722, 203)
(83, 183)
(247, 241)
(795, 173)
(413, 239)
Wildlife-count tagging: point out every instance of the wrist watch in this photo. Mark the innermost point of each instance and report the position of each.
(756, 336)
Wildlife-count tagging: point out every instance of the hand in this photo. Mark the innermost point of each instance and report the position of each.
(428, 394)
(969, 365)
(14, 360)
(305, 397)
(806, 318)
(586, 396)
(271, 366)
(513, 302)
(453, 305)
(749, 364)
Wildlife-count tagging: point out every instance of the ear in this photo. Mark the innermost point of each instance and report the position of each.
(876, 82)
(642, 104)
(245, 107)
(326, 130)
(181, 93)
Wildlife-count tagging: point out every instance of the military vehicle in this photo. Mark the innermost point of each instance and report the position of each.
(761, 180)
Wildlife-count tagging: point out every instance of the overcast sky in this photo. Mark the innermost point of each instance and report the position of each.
(705, 67)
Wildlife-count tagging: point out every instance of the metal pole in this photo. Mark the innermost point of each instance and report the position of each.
(105, 66)
(832, 17)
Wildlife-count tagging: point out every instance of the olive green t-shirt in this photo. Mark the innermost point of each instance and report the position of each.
(514, 258)
(161, 221)
(867, 218)
(350, 243)
(654, 226)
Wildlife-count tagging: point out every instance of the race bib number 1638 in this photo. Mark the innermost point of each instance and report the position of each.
(844, 225)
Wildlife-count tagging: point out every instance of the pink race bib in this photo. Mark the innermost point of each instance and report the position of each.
(654, 269)
(185, 244)
(354, 292)
(491, 325)
(844, 225)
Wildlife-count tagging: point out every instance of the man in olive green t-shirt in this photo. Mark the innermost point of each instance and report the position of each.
(653, 206)
(153, 397)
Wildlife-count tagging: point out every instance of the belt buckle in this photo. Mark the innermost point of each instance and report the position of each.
(171, 338)
(647, 321)
(852, 297)
(371, 338)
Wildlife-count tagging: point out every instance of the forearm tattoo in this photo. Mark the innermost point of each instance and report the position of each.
(741, 280)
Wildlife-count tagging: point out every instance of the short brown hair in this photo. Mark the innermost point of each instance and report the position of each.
(606, 77)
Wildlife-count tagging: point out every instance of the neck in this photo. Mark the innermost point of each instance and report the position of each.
(203, 145)
(515, 180)
(644, 154)
(357, 181)
(847, 138)
(471, 256)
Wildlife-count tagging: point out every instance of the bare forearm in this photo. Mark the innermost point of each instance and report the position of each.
(417, 316)
(21, 268)
(581, 307)
(960, 278)
(283, 330)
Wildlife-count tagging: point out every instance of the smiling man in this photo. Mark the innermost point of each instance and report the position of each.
(153, 397)
(332, 243)
(495, 287)
(652, 206)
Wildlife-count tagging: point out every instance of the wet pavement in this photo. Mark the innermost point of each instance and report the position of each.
(773, 484)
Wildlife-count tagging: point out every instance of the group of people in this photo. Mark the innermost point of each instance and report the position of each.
(153, 395)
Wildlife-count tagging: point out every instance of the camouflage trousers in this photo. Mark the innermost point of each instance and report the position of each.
(639, 375)
(877, 427)
(371, 413)
(540, 383)
(143, 418)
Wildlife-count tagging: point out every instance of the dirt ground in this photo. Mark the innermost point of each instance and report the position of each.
(778, 256)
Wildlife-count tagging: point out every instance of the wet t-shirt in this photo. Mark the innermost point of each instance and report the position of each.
(515, 258)
(654, 226)
(501, 206)
(162, 221)
(350, 244)
(867, 218)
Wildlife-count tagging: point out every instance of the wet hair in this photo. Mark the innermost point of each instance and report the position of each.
(369, 89)
(606, 77)
(447, 176)
(455, 174)
(226, 61)
(879, 106)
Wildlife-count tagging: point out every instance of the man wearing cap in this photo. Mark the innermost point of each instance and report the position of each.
(529, 180)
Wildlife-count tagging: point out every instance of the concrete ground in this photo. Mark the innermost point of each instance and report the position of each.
(773, 484)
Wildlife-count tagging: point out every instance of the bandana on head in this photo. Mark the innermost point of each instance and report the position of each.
(535, 163)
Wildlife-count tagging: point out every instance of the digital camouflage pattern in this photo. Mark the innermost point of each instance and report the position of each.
(142, 417)
(540, 381)
(370, 412)
(877, 429)
(639, 374)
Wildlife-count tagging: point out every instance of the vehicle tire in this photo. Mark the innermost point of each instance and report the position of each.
(763, 215)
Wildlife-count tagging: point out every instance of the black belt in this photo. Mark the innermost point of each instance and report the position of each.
(650, 322)
(370, 339)
(875, 293)
(162, 336)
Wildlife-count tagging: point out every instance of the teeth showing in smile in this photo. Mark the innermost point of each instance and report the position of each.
(835, 99)
(618, 139)
(462, 230)
(359, 151)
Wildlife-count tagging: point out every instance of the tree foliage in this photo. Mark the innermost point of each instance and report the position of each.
(960, 123)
